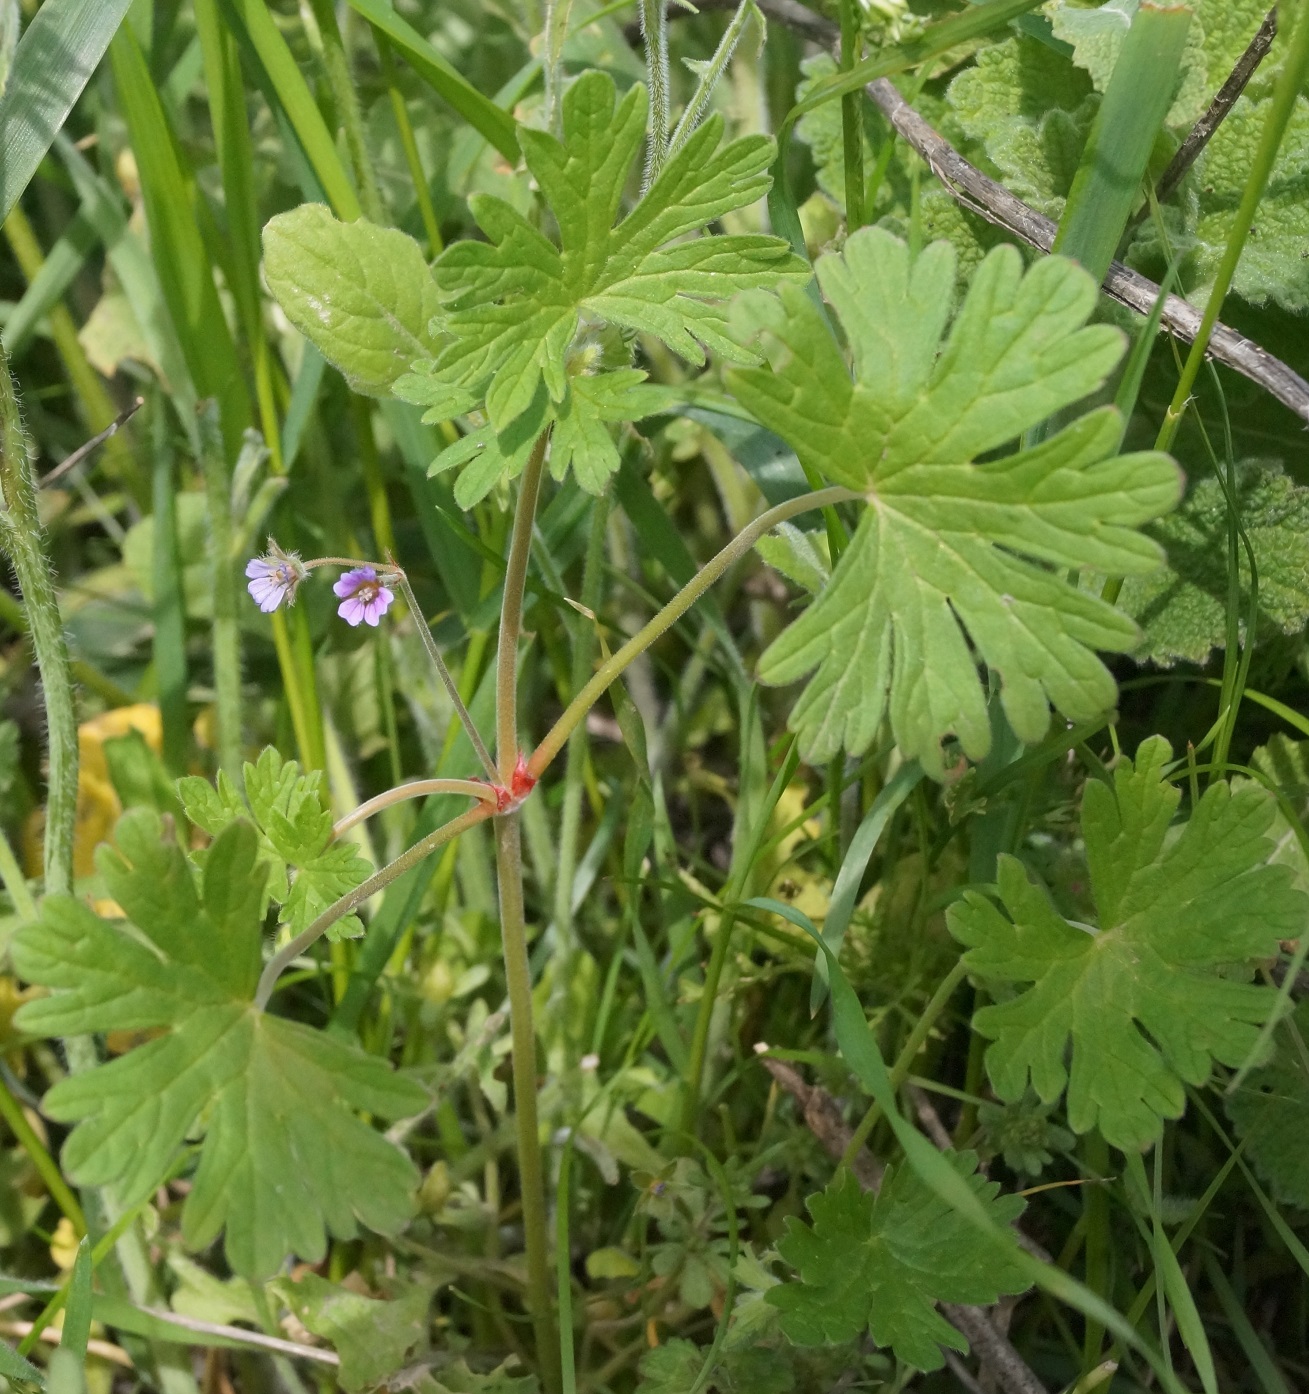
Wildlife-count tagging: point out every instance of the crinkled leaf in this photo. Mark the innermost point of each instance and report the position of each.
(319, 883)
(362, 295)
(284, 1159)
(515, 303)
(1182, 607)
(1270, 1111)
(1147, 1000)
(951, 558)
(1286, 763)
(372, 1337)
(882, 1262)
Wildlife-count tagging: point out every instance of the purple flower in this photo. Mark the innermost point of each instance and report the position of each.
(363, 597)
(274, 577)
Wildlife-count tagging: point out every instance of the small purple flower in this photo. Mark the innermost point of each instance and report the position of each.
(364, 599)
(274, 577)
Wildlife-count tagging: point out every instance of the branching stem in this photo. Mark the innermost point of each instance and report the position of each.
(414, 789)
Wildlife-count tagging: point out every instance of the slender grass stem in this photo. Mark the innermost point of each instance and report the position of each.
(46, 1166)
(409, 145)
(576, 711)
(511, 614)
(1289, 83)
(226, 630)
(21, 538)
(414, 789)
(336, 63)
(347, 904)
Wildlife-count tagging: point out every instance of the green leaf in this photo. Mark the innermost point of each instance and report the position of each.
(372, 1337)
(1270, 1111)
(304, 872)
(1155, 993)
(950, 551)
(361, 294)
(54, 61)
(284, 1160)
(77, 1314)
(1182, 607)
(882, 1262)
(522, 313)
(670, 1368)
(457, 1378)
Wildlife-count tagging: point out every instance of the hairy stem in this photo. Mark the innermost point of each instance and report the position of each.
(226, 630)
(414, 789)
(531, 1178)
(654, 31)
(21, 538)
(576, 711)
(1289, 83)
(511, 614)
(350, 902)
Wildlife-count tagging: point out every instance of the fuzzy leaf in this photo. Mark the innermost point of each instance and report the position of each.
(1150, 998)
(949, 551)
(1182, 607)
(284, 1160)
(881, 1263)
(304, 874)
(362, 295)
(515, 303)
(1271, 1112)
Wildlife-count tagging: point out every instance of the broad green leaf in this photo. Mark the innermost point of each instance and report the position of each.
(361, 294)
(372, 1337)
(1270, 1111)
(1182, 607)
(54, 61)
(522, 314)
(882, 1262)
(952, 558)
(1156, 992)
(284, 1159)
(305, 872)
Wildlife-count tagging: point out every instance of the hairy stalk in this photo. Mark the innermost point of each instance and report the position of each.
(552, 62)
(511, 614)
(21, 538)
(576, 711)
(513, 929)
(336, 64)
(654, 33)
(717, 66)
(1289, 83)
(414, 789)
(350, 902)
(531, 1177)
(226, 631)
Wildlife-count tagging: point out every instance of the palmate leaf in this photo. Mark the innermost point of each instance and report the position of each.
(1270, 1111)
(941, 554)
(515, 305)
(1150, 998)
(284, 1160)
(882, 1263)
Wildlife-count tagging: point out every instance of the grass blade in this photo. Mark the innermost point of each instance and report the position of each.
(1107, 184)
(62, 47)
(480, 112)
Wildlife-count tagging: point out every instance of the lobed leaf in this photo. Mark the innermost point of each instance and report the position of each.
(284, 1159)
(1127, 1013)
(952, 558)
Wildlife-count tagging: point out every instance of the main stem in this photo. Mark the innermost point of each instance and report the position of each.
(513, 931)
(20, 536)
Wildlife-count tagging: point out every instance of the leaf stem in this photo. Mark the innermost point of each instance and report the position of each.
(1285, 93)
(414, 789)
(350, 902)
(654, 33)
(511, 614)
(531, 1180)
(21, 538)
(582, 703)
